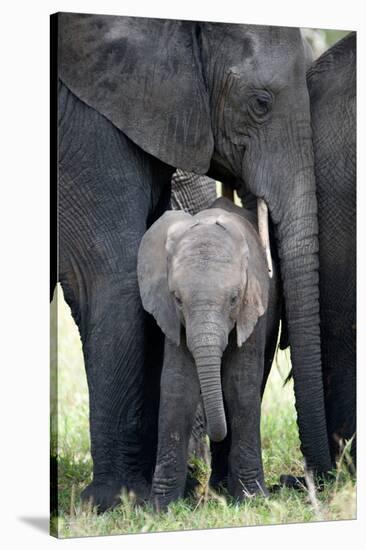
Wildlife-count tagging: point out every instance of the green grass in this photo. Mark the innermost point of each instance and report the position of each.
(281, 454)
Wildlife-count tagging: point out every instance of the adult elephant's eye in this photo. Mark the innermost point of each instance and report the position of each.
(260, 104)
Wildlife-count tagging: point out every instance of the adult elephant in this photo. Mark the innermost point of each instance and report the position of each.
(332, 87)
(137, 98)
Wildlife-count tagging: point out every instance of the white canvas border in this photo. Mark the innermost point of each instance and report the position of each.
(24, 239)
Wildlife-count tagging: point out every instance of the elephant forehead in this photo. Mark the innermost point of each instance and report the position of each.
(204, 259)
(264, 53)
(210, 243)
(244, 39)
(200, 265)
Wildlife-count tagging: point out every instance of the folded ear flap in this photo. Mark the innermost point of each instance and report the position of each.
(153, 276)
(254, 266)
(253, 306)
(145, 76)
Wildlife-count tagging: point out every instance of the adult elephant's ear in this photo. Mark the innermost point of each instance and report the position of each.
(153, 275)
(145, 76)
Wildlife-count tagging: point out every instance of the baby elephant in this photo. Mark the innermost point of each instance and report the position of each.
(205, 280)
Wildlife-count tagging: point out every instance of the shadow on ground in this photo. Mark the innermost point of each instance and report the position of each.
(39, 523)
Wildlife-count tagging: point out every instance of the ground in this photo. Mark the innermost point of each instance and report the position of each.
(281, 453)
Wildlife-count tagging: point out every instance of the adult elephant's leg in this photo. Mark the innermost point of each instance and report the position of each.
(338, 353)
(108, 191)
(242, 378)
(332, 87)
(337, 259)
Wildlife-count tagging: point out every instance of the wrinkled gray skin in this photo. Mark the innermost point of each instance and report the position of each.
(205, 280)
(137, 99)
(332, 86)
(192, 193)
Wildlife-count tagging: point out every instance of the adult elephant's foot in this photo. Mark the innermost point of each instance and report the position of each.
(300, 483)
(293, 482)
(104, 496)
(107, 495)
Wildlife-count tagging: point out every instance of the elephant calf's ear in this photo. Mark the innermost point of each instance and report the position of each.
(253, 307)
(152, 275)
(254, 266)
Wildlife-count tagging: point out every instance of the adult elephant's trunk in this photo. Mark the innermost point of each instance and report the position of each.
(298, 251)
(208, 362)
(289, 192)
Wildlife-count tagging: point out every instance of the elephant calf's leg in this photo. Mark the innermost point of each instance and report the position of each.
(198, 449)
(178, 403)
(242, 379)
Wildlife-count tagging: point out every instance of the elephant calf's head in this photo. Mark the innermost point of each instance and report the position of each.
(208, 273)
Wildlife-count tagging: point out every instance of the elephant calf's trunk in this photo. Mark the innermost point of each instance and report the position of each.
(208, 362)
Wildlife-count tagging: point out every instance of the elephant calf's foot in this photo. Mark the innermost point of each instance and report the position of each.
(104, 496)
(241, 490)
(159, 504)
(163, 494)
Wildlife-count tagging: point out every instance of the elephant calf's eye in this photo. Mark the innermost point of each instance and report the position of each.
(234, 299)
(178, 300)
